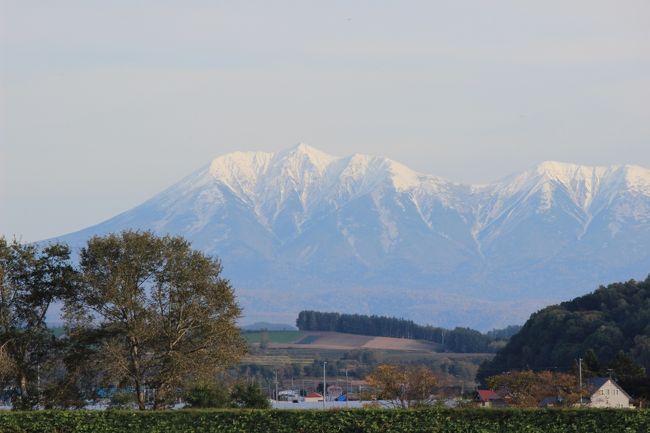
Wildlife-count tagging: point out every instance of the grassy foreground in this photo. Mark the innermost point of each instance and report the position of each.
(340, 421)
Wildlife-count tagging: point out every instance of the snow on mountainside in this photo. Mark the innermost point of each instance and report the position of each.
(302, 229)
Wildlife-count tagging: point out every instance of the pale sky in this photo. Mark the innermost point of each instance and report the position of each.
(105, 103)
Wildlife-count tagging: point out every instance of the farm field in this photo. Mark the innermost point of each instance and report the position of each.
(337, 341)
(273, 336)
(299, 355)
(298, 347)
(291, 355)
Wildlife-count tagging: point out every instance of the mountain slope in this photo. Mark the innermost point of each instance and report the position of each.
(611, 319)
(302, 229)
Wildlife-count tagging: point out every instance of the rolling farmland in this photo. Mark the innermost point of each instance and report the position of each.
(337, 341)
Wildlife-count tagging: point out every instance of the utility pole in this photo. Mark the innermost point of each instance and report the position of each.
(580, 378)
(276, 385)
(347, 386)
(324, 384)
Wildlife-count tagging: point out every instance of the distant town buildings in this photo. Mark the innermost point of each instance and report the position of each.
(603, 392)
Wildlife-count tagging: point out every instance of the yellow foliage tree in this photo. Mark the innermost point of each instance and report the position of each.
(401, 386)
(528, 388)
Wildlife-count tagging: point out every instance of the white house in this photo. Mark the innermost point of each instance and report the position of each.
(289, 395)
(607, 393)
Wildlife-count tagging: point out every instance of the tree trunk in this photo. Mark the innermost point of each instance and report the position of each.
(139, 394)
(139, 382)
(24, 399)
(24, 393)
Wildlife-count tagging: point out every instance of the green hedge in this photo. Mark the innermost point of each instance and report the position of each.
(316, 421)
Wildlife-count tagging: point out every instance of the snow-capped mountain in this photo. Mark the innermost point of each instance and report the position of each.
(303, 229)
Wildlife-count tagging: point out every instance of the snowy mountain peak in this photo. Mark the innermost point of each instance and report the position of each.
(403, 177)
(297, 156)
(566, 173)
(637, 179)
(590, 179)
(376, 170)
(295, 225)
(240, 171)
(298, 161)
(309, 151)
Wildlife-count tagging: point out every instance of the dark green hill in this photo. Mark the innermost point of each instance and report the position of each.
(611, 319)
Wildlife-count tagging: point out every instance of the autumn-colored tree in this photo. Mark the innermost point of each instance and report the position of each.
(167, 316)
(528, 388)
(402, 386)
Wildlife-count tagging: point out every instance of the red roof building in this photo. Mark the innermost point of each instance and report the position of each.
(313, 397)
(488, 398)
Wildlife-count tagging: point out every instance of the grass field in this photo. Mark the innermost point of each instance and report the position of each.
(274, 336)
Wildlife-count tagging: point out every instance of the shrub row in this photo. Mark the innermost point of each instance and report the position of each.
(316, 421)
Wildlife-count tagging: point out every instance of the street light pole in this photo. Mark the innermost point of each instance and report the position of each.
(324, 384)
(347, 386)
(580, 378)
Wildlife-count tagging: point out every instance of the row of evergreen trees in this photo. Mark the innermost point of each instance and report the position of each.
(462, 340)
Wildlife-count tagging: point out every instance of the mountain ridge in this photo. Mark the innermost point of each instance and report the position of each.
(301, 224)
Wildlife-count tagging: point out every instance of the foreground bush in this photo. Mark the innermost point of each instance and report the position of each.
(316, 421)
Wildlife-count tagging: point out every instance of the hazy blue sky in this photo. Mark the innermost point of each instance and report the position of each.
(105, 103)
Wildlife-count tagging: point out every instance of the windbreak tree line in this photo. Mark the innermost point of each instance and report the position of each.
(462, 340)
(141, 312)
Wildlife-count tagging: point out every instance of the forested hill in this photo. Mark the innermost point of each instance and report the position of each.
(464, 340)
(609, 320)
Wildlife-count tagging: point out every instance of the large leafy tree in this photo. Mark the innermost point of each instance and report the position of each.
(403, 386)
(167, 315)
(31, 279)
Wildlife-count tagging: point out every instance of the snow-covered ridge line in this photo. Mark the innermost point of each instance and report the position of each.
(268, 182)
(253, 165)
(303, 165)
(305, 169)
